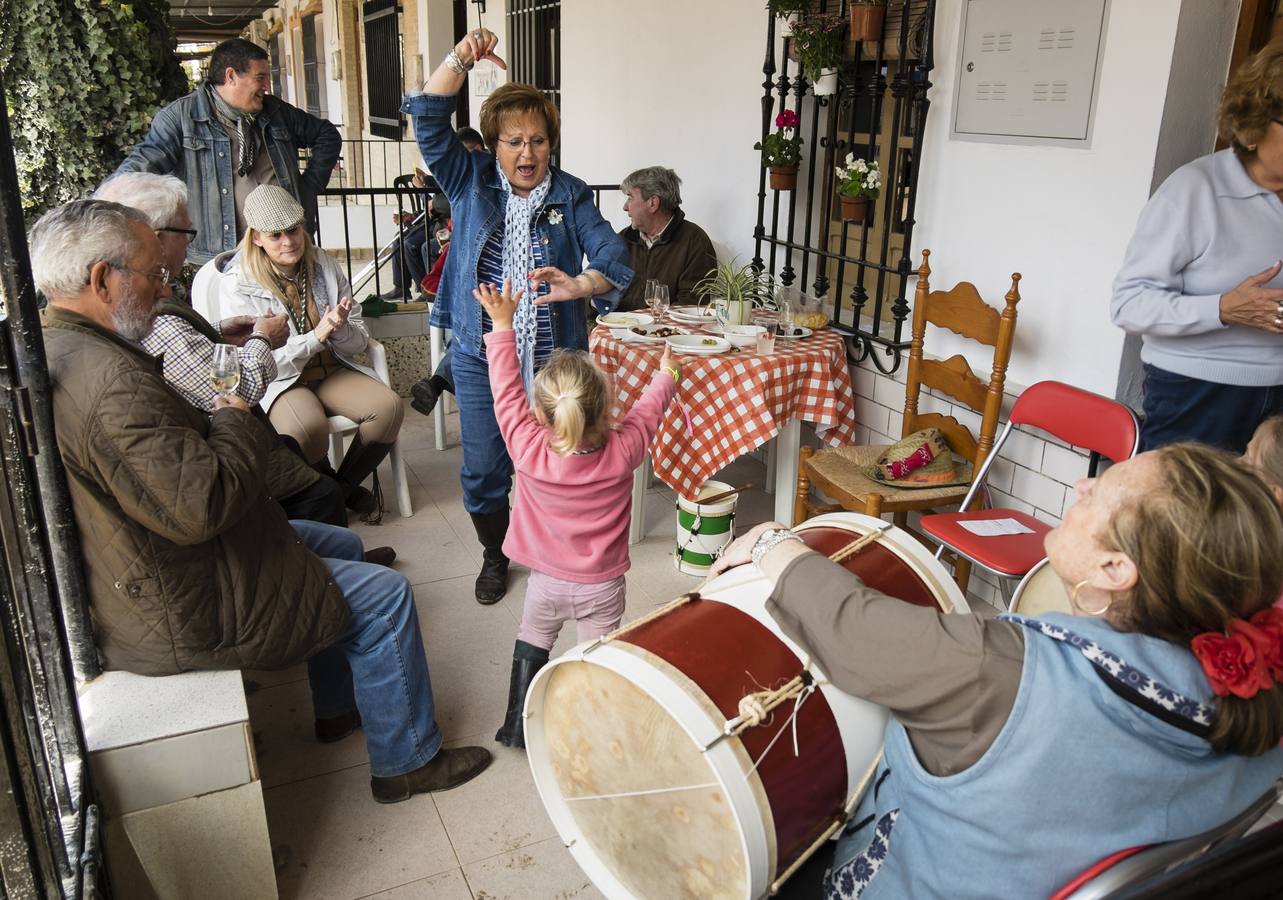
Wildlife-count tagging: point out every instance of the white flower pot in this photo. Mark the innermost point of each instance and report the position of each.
(738, 312)
(827, 84)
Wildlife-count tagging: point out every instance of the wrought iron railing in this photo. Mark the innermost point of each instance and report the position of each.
(364, 270)
(879, 112)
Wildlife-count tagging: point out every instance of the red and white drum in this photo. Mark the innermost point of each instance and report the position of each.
(632, 745)
(1041, 591)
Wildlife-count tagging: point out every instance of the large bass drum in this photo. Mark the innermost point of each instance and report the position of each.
(663, 783)
(1041, 591)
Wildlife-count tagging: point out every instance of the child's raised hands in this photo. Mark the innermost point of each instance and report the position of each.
(501, 305)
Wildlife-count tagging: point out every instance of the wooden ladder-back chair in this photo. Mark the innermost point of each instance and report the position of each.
(840, 472)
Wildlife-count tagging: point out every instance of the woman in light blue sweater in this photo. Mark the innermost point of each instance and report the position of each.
(1201, 279)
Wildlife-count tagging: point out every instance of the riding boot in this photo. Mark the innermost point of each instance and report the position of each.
(359, 463)
(492, 582)
(527, 660)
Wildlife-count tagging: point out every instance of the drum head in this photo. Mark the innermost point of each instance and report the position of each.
(1041, 591)
(604, 735)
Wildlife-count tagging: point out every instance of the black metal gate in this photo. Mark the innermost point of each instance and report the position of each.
(534, 43)
(384, 73)
(48, 826)
(878, 113)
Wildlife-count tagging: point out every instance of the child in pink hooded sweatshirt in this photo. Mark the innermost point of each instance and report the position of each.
(573, 497)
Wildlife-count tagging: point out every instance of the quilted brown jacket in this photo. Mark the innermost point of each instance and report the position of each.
(190, 564)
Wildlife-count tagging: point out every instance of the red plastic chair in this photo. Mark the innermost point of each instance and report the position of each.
(1078, 417)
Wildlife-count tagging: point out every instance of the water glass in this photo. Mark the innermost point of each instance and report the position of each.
(225, 370)
(766, 340)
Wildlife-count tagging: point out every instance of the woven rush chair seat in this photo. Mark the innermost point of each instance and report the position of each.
(841, 470)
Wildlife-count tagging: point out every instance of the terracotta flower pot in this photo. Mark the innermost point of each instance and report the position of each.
(783, 178)
(866, 21)
(854, 209)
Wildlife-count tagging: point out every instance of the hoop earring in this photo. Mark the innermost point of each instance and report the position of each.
(1073, 599)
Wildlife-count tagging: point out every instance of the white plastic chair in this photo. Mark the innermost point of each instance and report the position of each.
(436, 350)
(342, 426)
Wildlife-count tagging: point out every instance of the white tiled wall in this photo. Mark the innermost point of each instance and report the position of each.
(1035, 472)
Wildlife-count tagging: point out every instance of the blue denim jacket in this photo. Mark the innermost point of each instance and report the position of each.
(186, 141)
(477, 201)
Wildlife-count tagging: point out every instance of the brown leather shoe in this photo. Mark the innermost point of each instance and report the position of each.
(337, 728)
(381, 556)
(448, 769)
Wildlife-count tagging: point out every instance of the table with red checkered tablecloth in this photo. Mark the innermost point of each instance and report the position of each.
(737, 401)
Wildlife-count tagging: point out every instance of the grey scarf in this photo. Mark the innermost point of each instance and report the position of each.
(246, 134)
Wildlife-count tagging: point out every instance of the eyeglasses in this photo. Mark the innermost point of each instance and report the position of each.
(190, 232)
(516, 144)
(160, 275)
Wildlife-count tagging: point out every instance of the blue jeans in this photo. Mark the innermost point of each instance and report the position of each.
(409, 259)
(487, 470)
(378, 666)
(1179, 408)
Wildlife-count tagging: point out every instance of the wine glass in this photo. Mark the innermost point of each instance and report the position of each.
(648, 296)
(225, 370)
(660, 307)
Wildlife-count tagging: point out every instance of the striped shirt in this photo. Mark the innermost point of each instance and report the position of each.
(490, 271)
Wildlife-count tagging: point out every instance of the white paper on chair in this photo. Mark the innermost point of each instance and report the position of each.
(995, 527)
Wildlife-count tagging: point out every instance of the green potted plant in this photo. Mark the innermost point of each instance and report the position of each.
(736, 290)
(819, 43)
(867, 17)
(782, 151)
(858, 183)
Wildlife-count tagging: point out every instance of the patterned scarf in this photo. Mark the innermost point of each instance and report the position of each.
(246, 136)
(518, 260)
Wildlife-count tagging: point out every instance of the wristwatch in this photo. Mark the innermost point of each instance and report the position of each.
(768, 540)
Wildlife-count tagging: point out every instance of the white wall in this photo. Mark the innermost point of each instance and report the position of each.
(1060, 216)
(674, 83)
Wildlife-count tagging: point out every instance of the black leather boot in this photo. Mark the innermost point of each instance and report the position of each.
(359, 463)
(427, 392)
(492, 582)
(527, 660)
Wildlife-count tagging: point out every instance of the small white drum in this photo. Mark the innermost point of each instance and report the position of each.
(658, 777)
(704, 529)
(1041, 591)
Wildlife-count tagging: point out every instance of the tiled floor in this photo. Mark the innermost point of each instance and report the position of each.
(490, 838)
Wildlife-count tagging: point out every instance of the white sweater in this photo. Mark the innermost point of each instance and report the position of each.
(1205, 230)
(230, 294)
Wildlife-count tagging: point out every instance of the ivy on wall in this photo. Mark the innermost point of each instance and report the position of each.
(83, 79)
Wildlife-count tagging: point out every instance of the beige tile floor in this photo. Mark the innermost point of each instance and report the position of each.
(489, 839)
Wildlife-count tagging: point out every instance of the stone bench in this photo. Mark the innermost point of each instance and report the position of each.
(173, 766)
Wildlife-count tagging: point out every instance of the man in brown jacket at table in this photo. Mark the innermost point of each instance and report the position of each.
(190, 563)
(662, 244)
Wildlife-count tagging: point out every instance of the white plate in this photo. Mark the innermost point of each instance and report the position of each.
(696, 315)
(627, 334)
(698, 344)
(625, 319)
(798, 334)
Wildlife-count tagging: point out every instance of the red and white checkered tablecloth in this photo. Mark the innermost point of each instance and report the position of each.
(737, 401)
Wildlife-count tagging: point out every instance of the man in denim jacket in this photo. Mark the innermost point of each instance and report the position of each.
(229, 136)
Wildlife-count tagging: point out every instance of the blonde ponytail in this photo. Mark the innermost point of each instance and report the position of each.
(571, 396)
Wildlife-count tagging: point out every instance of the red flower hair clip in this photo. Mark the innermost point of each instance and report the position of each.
(1247, 658)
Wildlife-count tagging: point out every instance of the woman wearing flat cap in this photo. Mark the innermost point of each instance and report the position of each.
(320, 371)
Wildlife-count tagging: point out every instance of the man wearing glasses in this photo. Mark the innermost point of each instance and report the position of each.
(190, 564)
(229, 136)
(184, 342)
